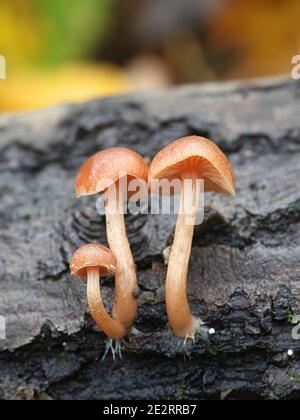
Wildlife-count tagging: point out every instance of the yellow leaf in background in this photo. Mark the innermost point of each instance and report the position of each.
(72, 83)
(46, 45)
(19, 32)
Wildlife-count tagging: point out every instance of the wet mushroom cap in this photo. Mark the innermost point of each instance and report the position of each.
(198, 155)
(92, 256)
(106, 167)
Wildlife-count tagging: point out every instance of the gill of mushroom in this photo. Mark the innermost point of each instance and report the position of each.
(92, 261)
(191, 158)
(109, 172)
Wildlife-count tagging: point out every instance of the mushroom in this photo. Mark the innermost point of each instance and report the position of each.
(110, 171)
(194, 158)
(91, 262)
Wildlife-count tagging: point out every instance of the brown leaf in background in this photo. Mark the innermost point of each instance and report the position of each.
(260, 35)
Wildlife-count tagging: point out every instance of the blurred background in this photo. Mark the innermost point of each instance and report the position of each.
(67, 51)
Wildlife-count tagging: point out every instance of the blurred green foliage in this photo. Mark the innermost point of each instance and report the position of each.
(72, 29)
(49, 32)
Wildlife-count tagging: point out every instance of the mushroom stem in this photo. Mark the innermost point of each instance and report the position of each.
(105, 322)
(181, 321)
(125, 307)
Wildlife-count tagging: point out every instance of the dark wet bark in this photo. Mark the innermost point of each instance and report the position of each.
(245, 266)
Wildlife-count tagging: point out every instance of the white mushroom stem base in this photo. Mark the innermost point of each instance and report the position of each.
(105, 322)
(126, 287)
(115, 347)
(181, 321)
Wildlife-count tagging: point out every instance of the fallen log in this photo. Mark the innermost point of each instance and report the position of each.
(245, 268)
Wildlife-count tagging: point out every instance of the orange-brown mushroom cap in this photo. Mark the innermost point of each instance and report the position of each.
(92, 256)
(106, 167)
(198, 155)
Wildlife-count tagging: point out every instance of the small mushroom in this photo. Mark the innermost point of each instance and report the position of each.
(91, 262)
(192, 158)
(110, 171)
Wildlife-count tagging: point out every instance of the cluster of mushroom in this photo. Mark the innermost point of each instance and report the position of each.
(193, 158)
